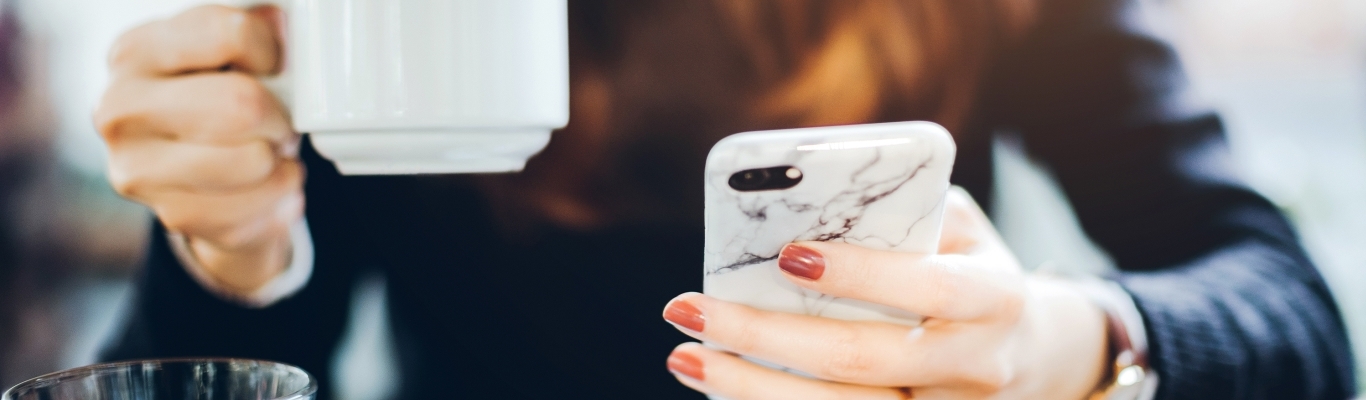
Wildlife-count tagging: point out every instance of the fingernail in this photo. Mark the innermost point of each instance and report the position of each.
(686, 315)
(687, 365)
(802, 261)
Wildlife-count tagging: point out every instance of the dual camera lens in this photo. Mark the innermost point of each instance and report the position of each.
(773, 178)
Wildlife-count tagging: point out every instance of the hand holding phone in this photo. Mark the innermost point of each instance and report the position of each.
(879, 186)
(865, 205)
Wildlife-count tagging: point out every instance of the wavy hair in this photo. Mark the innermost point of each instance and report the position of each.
(655, 82)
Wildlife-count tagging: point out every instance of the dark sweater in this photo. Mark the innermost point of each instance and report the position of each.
(1234, 308)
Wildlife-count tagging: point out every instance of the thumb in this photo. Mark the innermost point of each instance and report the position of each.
(966, 228)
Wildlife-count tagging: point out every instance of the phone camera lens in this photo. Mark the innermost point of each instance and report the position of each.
(752, 179)
(760, 179)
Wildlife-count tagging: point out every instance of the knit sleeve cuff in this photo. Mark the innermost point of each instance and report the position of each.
(286, 284)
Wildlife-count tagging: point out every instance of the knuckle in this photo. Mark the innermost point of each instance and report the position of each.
(227, 39)
(175, 220)
(249, 103)
(232, 169)
(225, 27)
(230, 27)
(745, 339)
(252, 99)
(992, 375)
(746, 334)
(113, 116)
(122, 182)
(258, 164)
(109, 122)
(848, 360)
(123, 50)
(125, 178)
(945, 287)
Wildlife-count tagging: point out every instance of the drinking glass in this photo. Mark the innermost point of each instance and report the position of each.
(174, 379)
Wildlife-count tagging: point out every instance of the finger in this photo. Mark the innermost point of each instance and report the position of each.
(864, 353)
(217, 109)
(234, 220)
(203, 38)
(253, 227)
(152, 166)
(868, 353)
(724, 375)
(959, 233)
(953, 287)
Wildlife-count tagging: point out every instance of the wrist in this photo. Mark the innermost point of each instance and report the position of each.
(1071, 344)
(242, 269)
(1129, 375)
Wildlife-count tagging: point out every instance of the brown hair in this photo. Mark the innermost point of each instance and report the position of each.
(656, 82)
(851, 61)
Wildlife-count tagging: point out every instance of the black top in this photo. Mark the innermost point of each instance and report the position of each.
(1233, 306)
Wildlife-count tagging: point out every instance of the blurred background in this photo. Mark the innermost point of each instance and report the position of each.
(1288, 75)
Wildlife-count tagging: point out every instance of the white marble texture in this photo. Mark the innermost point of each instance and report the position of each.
(879, 186)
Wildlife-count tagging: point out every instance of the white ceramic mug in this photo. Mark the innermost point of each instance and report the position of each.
(425, 86)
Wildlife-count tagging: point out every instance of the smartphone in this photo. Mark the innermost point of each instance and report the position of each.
(879, 186)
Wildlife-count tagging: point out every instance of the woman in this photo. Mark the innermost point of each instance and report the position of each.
(546, 283)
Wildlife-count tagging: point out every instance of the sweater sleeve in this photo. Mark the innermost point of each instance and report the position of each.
(287, 283)
(173, 315)
(1233, 307)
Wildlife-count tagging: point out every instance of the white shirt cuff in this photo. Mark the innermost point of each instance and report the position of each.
(289, 282)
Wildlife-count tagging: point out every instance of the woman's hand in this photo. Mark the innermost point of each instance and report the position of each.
(990, 331)
(194, 136)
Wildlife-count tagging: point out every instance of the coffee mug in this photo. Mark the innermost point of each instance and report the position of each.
(425, 86)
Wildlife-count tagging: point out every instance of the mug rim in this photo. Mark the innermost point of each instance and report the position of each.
(308, 390)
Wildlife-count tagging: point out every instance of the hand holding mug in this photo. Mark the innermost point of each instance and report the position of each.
(193, 135)
(392, 87)
(991, 331)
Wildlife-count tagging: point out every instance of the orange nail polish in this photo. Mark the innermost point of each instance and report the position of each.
(686, 315)
(687, 365)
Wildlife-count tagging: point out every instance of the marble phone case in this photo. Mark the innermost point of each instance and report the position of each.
(879, 186)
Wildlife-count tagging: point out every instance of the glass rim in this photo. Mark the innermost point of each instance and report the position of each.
(67, 374)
